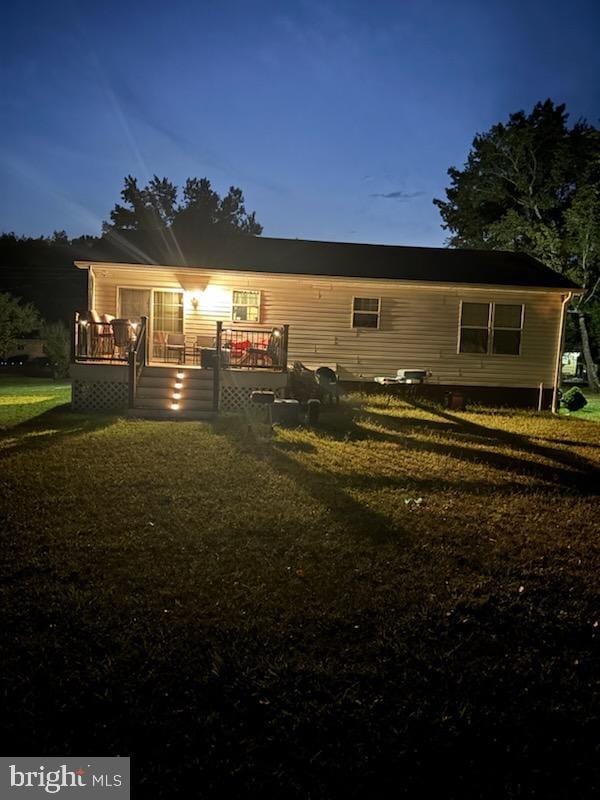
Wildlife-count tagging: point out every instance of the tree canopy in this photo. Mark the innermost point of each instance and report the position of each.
(155, 220)
(153, 223)
(533, 184)
(16, 319)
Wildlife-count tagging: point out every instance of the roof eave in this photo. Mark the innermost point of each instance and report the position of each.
(498, 286)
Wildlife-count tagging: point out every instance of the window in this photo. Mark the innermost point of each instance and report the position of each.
(491, 328)
(365, 312)
(245, 306)
(507, 326)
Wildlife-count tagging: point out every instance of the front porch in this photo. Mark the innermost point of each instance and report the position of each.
(117, 366)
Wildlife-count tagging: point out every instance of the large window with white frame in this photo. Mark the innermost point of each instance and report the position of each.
(245, 306)
(365, 312)
(491, 328)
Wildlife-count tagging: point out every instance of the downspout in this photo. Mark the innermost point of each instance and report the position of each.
(91, 288)
(559, 351)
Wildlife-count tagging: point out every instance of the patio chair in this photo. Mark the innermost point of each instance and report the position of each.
(328, 384)
(202, 343)
(159, 345)
(268, 354)
(101, 335)
(176, 343)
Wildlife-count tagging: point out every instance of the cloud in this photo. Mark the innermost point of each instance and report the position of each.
(397, 195)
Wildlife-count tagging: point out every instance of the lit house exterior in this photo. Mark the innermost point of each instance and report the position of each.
(487, 323)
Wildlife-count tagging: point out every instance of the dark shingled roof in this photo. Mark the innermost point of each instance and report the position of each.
(342, 259)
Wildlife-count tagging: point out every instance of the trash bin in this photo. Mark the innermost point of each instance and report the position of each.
(262, 397)
(313, 408)
(455, 401)
(285, 412)
(207, 357)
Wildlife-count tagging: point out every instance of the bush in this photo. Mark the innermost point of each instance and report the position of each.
(56, 347)
(574, 399)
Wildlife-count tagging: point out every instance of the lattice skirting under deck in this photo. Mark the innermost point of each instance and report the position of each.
(236, 398)
(99, 395)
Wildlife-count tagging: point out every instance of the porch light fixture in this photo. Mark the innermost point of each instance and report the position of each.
(179, 385)
(180, 376)
(174, 406)
(177, 396)
(194, 301)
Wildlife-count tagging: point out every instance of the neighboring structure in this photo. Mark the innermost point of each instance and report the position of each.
(28, 348)
(573, 367)
(487, 323)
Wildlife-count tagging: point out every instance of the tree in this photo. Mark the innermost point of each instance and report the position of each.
(15, 320)
(152, 220)
(56, 347)
(533, 185)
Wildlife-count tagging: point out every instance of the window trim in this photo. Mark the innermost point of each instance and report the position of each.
(491, 328)
(247, 305)
(377, 313)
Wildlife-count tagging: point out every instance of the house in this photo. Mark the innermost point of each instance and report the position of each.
(25, 349)
(487, 323)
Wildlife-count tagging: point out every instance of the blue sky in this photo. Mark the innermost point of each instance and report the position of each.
(337, 119)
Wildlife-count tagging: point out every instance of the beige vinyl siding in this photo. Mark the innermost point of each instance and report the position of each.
(419, 324)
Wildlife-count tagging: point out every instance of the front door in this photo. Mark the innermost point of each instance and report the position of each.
(167, 317)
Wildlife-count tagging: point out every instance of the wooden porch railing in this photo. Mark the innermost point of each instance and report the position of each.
(248, 348)
(137, 359)
(254, 348)
(102, 340)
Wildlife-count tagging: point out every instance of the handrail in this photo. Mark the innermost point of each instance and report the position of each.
(217, 367)
(75, 338)
(284, 347)
(137, 360)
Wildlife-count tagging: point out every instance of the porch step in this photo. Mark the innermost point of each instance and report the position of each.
(158, 385)
(161, 413)
(165, 401)
(188, 392)
(171, 373)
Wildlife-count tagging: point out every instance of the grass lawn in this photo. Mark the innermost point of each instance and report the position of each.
(591, 411)
(24, 398)
(400, 596)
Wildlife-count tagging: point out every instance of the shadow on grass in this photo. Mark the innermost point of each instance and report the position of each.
(53, 425)
(253, 440)
(455, 436)
(567, 471)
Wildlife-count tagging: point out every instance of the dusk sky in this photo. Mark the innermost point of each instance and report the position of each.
(337, 120)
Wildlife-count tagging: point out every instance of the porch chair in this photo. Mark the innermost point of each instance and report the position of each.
(202, 343)
(101, 336)
(269, 355)
(159, 346)
(176, 343)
